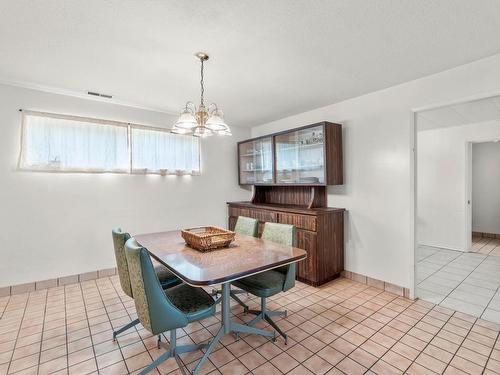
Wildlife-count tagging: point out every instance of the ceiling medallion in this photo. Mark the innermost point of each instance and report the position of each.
(202, 121)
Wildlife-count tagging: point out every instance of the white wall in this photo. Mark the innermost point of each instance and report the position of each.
(54, 225)
(378, 173)
(442, 183)
(486, 187)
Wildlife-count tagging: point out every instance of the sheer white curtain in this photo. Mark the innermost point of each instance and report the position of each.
(66, 143)
(158, 151)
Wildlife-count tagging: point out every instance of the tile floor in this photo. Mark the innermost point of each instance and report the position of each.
(485, 245)
(466, 282)
(341, 328)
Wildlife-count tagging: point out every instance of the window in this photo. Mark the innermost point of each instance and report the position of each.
(75, 144)
(159, 151)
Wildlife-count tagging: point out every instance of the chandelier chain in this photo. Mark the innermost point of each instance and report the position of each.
(201, 83)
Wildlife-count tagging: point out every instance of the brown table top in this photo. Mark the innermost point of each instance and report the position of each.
(245, 256)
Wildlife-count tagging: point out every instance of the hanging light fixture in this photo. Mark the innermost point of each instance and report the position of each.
(202, 121)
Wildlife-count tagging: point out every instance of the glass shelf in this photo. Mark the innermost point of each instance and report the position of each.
(256, 161)
(300, 156)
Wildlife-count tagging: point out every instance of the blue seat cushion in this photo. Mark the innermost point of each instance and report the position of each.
(264, 284)
(166, 277)
(194, 302)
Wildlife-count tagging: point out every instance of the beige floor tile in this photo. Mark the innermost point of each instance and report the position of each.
(324, 325)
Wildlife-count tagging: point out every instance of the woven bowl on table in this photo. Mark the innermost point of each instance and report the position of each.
(207, 238)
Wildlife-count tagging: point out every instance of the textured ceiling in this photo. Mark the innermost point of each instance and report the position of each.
(269, 59)
(460, 114)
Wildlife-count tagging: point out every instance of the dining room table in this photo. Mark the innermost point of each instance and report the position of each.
(245, 256)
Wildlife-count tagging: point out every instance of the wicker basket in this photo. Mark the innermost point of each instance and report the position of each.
(207, 238)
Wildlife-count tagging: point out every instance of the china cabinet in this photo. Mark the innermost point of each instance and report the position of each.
(256, 163)
(290, 172)
(310, 155)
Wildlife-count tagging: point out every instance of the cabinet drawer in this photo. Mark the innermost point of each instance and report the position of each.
(300, 221)
(260, 215)
(237, 211)
(263, 215)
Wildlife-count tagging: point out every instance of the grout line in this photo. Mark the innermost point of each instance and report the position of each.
(484, 259)
(112, 328)
(387, 305)
(17, 336)
(407, 333)
(440, 268)
(5, 306)
(460, 345)
(88, 324)
(491, 351)
(447, 295)
(491, 299)
(41, 337)
(66, 328)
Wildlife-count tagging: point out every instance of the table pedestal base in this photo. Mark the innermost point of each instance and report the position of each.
(229, 326)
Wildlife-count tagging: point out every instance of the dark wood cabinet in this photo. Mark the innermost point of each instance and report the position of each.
(309, 155)
(290, 171)
(320, 231)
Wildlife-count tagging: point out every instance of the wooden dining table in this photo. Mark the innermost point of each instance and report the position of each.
(245, 256)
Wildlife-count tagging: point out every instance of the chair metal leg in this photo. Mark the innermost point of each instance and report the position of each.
(276, 328)
(238, 300)
(263, 314)
(162, 358)
(255, 320)
(124, 328)
(172, 351)
(282, 314)
(210, 348)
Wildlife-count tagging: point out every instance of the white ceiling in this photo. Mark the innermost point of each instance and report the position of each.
(460, 114)
(269, 59)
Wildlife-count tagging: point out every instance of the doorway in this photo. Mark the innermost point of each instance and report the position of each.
(484, 182)
(454, 158)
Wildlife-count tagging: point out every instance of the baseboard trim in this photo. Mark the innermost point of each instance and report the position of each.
(486, 235)
(379, 284)
(59, 281)
(442, 247)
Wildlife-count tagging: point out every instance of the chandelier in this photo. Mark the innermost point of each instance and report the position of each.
(202, 121)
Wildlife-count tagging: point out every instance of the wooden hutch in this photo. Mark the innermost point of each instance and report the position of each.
(290, 172)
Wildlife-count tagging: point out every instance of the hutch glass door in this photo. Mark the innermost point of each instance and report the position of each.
(256, 161)
(300, 157)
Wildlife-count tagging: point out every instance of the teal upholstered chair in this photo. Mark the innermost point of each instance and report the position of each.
(162, 310)
(167, 278)
(269, 283)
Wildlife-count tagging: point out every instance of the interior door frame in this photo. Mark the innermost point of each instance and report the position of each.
(468, 195)
(414, 178)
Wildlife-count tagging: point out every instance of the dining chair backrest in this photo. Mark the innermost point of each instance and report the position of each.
(246, 226)
(119, 239)
(284, 234)
(154, 310)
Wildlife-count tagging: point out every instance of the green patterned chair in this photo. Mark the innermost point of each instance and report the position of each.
(247, 226)
(269, 283)
(167, 278)
(162, 310)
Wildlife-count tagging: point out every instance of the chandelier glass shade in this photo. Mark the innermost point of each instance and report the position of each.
(201, 121)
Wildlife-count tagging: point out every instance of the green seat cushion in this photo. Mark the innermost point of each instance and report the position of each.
(194, 302)
(264, 284)
(166, 277)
